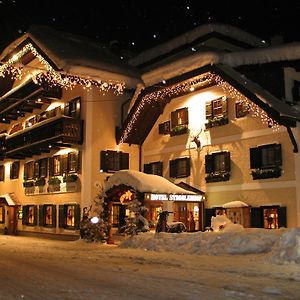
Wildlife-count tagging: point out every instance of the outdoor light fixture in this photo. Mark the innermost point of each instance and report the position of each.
(94, 220)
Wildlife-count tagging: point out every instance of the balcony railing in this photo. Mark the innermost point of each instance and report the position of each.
(54, 132)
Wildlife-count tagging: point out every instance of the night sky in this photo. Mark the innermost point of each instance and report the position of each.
(138, 25)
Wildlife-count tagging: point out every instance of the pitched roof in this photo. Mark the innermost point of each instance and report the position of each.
(71, 52)
(198, 35)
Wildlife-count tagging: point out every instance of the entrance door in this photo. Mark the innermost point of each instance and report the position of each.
(12, 220)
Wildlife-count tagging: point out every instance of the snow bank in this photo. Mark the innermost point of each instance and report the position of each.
(287, 250)
(248, 241)
(281, 245)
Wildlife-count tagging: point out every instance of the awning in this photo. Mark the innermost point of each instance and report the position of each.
(9, 199)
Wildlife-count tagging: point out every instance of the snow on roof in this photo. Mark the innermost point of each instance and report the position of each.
(196, 33)
(284, 109)
(235, 204)
(284, 52)
(69, 51)
(142, 182)
(198, 59)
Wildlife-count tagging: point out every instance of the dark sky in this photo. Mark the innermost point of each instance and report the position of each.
(138, 25)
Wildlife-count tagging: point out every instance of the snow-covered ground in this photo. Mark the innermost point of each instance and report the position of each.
(234, 263)
(281, 246)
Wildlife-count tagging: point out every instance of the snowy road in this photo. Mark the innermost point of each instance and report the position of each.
(43, 269)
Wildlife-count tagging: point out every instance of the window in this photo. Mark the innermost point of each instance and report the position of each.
(155, 168)
(69, 216)
(72, 108)
(43, 167)
(217, 162)
(55, 166)
(47, 215)
(29, 215)
(269, 217)
(73, 162)
(2, 173)
(29, 170)
(266, 161)
(2, 214)
(112, 161)
(217, 166)
(179, 121)
(14, 170)
(164, 128)
(216, 112)
(216, 108)
(241, 109)
(180, 167)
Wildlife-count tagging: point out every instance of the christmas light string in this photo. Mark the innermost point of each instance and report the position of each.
(166, 92)
(254, 108)
(54, 78)
(207, 78)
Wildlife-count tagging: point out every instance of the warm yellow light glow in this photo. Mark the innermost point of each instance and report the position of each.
(54, 105)
(51, 76)
(65, 151)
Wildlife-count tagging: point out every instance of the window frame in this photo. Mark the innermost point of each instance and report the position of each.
(14, 170)
(180, 167)
(2, 173)
(155, 168)
(112, 161)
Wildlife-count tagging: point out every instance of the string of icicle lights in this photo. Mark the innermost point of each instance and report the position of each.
(166, 92)
(54, 78)
(254, 108)
(207, 78)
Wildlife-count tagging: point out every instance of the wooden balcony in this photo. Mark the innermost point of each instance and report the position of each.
(58, 132)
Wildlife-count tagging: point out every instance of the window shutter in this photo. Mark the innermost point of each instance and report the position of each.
(174, 119)
(256, 217)
(104, 161)
(173, 168)
(209, 166)
(24, 173)
(51, 166)
(160, 168)
(278, 155)
(41, 215)
(35, 215)
(11, 171)
(78, 108)
(208, 110)
(255, 158)
(161, 128)
(282, 217)
(124, 161)
(62, 216)
(36, 168)
(147, 168)
(67, 109)
(77, 216)
(188, 166)
(208, 213)
(185, 112)
(224, 107)
(227, 161)
(25, 215)
(53, 215)
(64, 164)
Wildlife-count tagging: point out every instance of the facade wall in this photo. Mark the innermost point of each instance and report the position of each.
(237, 137)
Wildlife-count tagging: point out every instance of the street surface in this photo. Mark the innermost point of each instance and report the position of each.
(42, 269)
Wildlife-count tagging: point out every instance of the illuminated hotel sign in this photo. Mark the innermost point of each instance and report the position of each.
(172, 197)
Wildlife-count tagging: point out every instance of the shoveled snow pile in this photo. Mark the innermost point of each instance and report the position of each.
(282, 245)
